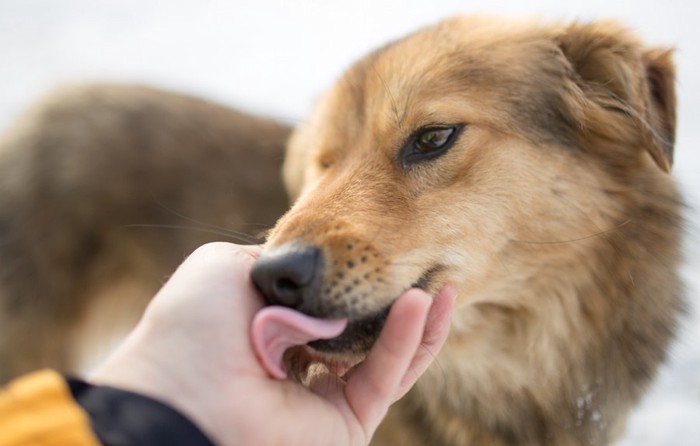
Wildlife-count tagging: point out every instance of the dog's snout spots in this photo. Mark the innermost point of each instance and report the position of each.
(331, 272)
(289, 275)
(351, 282)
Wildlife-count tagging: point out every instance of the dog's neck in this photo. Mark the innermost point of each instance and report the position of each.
(498, 373)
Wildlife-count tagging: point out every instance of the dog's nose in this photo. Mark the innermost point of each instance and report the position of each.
(288, 275)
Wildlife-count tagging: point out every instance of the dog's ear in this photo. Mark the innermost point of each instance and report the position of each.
(617, 74)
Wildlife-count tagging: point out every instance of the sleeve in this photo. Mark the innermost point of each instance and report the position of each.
(121, 418)
(38, 409)
(45, 409)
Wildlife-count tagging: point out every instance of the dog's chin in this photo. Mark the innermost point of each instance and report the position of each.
(360, 335)
(353, 344)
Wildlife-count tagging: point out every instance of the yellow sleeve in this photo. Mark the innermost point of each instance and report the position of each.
(38, 409)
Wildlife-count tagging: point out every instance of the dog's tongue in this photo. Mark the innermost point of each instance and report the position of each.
(275, 329)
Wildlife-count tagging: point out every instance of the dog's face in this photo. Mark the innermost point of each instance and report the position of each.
(469, 153)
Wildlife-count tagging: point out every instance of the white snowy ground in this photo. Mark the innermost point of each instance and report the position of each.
(276, 56)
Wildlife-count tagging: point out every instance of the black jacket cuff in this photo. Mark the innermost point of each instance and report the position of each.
(120, 417)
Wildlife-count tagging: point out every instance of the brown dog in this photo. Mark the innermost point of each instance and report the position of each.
(103, 191)
(528, 165)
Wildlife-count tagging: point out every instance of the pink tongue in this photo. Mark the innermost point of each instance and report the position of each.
(275, 329)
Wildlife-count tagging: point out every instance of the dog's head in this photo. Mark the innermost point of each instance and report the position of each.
(470, 152)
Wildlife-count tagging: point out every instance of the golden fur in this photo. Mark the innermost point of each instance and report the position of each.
(553, 213)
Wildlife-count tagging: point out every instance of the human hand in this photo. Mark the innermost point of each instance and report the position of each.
(192, 350)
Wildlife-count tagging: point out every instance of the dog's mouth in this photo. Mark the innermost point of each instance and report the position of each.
(360, 335)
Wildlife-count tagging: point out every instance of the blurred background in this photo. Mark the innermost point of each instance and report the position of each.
(275, 57)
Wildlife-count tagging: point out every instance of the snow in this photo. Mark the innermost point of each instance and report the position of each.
(276, 56)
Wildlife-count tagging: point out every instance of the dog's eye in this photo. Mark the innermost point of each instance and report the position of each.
(433, 139)
(429, 143)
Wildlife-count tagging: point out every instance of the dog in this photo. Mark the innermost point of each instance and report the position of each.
(526, 163)
(104, 190)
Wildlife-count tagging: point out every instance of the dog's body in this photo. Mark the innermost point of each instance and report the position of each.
(526, 164)
(103, 192)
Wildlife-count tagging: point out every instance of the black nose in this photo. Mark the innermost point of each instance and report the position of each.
(288, 275)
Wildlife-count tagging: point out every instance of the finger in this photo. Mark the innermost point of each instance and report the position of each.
(437, 328)
(372, 386)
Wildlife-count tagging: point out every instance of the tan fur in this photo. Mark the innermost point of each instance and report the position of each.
(103, 191)
(553, 214)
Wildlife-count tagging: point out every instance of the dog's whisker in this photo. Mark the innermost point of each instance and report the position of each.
(185, 217)
(292, 121)
(436, 364)
(397, 115)
(229, 234)
(216, 229)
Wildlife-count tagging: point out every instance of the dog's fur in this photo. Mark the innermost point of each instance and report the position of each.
(553, 213)
(103, 192)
